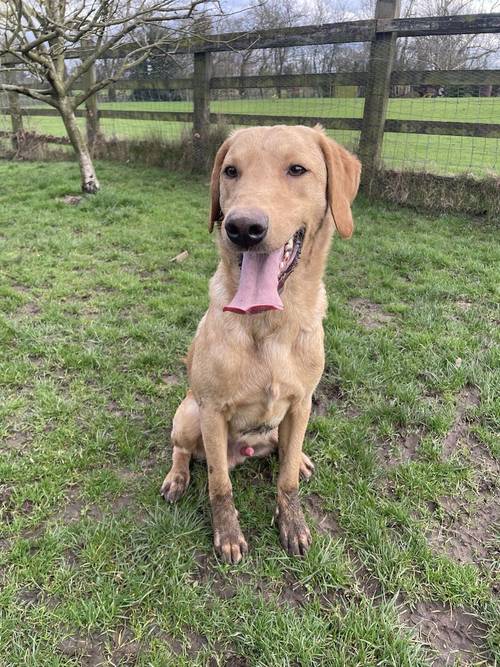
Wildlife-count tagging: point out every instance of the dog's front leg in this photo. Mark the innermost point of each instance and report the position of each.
(294, 533)
(229, 541)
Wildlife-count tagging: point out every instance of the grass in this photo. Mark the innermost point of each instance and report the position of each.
(439, 154)
(94, 321)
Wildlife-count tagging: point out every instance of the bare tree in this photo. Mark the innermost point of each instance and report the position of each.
(278, 14)
(446, 52)
(40, 35)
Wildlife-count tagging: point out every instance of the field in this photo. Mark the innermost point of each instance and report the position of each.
(440, 154)
(94, 320)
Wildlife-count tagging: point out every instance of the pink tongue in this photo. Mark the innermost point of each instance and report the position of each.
(258, 288)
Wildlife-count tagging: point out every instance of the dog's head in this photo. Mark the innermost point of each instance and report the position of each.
(272, 188)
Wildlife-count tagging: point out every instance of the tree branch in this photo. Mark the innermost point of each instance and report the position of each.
(41, 96)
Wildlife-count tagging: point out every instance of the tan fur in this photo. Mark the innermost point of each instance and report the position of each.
(249, 370)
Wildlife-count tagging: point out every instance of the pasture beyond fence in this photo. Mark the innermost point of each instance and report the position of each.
(452, 133)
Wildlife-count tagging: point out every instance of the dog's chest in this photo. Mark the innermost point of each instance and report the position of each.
(260, 411)
(266, 390)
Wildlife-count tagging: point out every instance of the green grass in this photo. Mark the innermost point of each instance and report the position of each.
(440, 154)
(94, 321)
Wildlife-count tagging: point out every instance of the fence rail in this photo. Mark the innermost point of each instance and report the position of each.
(329, 33)
(445, 128)
(455, 77)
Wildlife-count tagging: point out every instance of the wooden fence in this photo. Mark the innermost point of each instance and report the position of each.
(382, 32)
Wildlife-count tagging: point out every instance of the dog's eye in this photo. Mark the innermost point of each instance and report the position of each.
(230, 171)
(296, 170)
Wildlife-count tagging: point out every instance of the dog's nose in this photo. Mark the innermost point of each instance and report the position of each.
(246, 226)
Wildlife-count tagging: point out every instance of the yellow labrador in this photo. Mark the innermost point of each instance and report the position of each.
(257, 356)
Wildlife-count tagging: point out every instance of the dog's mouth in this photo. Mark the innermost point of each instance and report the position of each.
(263, 276)
(291, 255)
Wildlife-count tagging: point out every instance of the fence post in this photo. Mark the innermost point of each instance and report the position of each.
(382, 52)
(91, 109)
(201, 107)
(15, 112)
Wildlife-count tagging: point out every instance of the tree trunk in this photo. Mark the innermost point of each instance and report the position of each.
(90, 184)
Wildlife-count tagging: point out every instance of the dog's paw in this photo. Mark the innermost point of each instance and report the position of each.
(306, 467)
(174, 486)
(295, 536)
(229, 542)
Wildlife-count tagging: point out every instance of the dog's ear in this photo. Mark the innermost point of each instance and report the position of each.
(343, 174)
(216, 214)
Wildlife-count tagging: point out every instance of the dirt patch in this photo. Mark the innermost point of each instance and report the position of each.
(29, 309)
(326, 395)
(236, 661)
(30, 596)
(403, 450)
(466, 532)
(468, 398)
(196, 641)
(164, 637)
(16, 442)
(113, 408)
(170, 379)
(22, 289)
(9, 507)
(125, 648)
(487, 467)
(370, 315)
(225, 587)
(454, 634)
(94, 650)
(89, 651)
(75, 509)
(72, 200)
(293, 594)
(463, 305)
(325, 522)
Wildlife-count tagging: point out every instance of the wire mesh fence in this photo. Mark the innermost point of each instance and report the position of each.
(445, 124)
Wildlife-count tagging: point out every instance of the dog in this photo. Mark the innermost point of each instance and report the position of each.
(277, 194)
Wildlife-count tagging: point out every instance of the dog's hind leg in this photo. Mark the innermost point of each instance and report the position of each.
(186, 440)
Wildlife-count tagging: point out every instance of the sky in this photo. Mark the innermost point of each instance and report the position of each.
(354, 6)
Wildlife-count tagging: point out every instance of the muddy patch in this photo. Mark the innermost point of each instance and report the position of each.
(72, 200)
(10, 508)
(224, 586)
(403, 450)
(325, 522)
(236, 661)
(369, 315)
(114, 409)
(454, 634)
(76, 509)
(293, 594)
(121, 648)
(89, 651)
(227, 586)
(28, 309)
(170, 379)
(22, 289)
(30, 596)
(466, 532)
(15, 443)
(329, 393)
(463, 305)
(467, 399)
